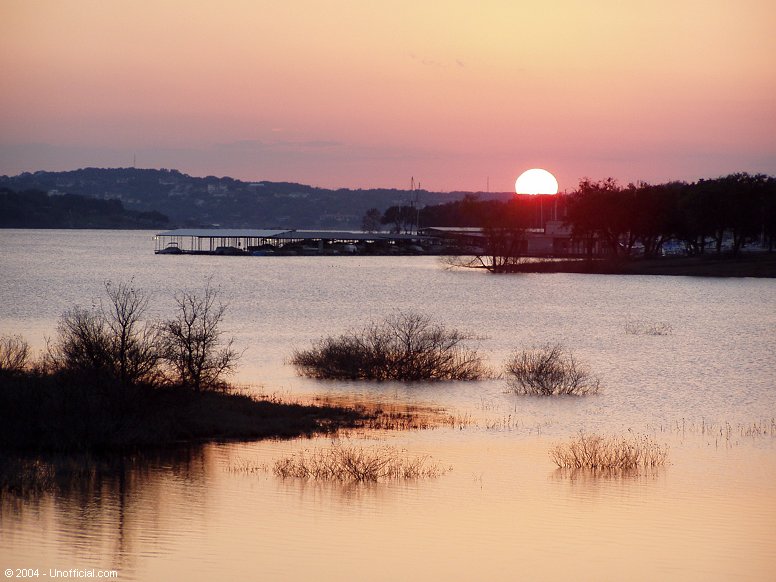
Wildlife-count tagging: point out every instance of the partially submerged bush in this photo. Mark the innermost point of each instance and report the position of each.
(609, 453)
(404, 346)
(644, 327)
(548, 370)
(14, 352)
(352, 463)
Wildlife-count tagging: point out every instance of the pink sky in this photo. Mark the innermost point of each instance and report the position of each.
(369, 94)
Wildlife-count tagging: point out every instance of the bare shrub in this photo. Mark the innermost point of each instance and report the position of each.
(14, 353)
(198, 356)
(135, 344)
(609, 453)
(110, 340)
(351, 463)
(404, 346)
(82, 343)
(644, 327)
(548, 370)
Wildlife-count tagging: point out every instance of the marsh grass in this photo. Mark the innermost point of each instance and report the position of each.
(763, 428)
(504, 422)
(346, 463)
(609, 453)
(29, 476)
(24, 477)
(724, 432)
(246, 466)
(416, 418)
(549, 370)
(392, 416)
(646, 327)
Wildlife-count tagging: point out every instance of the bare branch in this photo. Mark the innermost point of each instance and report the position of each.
(194, 349)
(14, 352)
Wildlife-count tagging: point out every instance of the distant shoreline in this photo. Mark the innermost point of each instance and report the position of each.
(761, 265)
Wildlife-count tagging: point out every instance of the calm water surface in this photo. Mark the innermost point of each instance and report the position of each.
(503, 510)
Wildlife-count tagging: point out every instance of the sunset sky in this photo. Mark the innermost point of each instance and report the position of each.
(369, 94)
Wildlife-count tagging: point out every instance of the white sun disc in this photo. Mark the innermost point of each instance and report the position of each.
(536, 181)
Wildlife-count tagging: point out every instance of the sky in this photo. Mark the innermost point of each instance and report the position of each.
(459, 95)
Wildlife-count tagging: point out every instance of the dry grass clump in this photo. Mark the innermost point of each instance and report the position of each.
(354, 463)
(404, 346)
(549, 370)
(609, 453)
(644, 327)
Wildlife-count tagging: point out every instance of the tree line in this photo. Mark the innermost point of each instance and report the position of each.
(710, 215)
(732, 211)
(36, 209)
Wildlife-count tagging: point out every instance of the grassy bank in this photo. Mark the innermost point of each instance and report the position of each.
(747, 265)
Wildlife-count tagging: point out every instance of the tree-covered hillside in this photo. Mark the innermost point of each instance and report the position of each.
(226, 202)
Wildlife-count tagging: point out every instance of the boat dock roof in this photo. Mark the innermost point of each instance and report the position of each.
(296, 235)
(222, 232)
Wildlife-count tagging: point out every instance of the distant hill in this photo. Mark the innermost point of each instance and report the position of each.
(38, 209)
(226, 202)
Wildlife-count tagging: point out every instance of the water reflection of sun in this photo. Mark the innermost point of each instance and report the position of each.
(536, 181)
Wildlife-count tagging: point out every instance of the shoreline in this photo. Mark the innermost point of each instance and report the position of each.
(36, 420)
(760, 265)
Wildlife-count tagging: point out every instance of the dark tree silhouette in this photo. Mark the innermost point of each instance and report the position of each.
(401, 218)
(371, 220)
(597, 212)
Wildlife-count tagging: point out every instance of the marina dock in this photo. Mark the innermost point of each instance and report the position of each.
(260, 242)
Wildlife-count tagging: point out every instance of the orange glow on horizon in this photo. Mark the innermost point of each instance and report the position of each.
(366, 95)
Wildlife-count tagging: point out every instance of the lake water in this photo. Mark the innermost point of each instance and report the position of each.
(707, 390)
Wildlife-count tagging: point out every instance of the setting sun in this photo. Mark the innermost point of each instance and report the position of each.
(536, 181)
